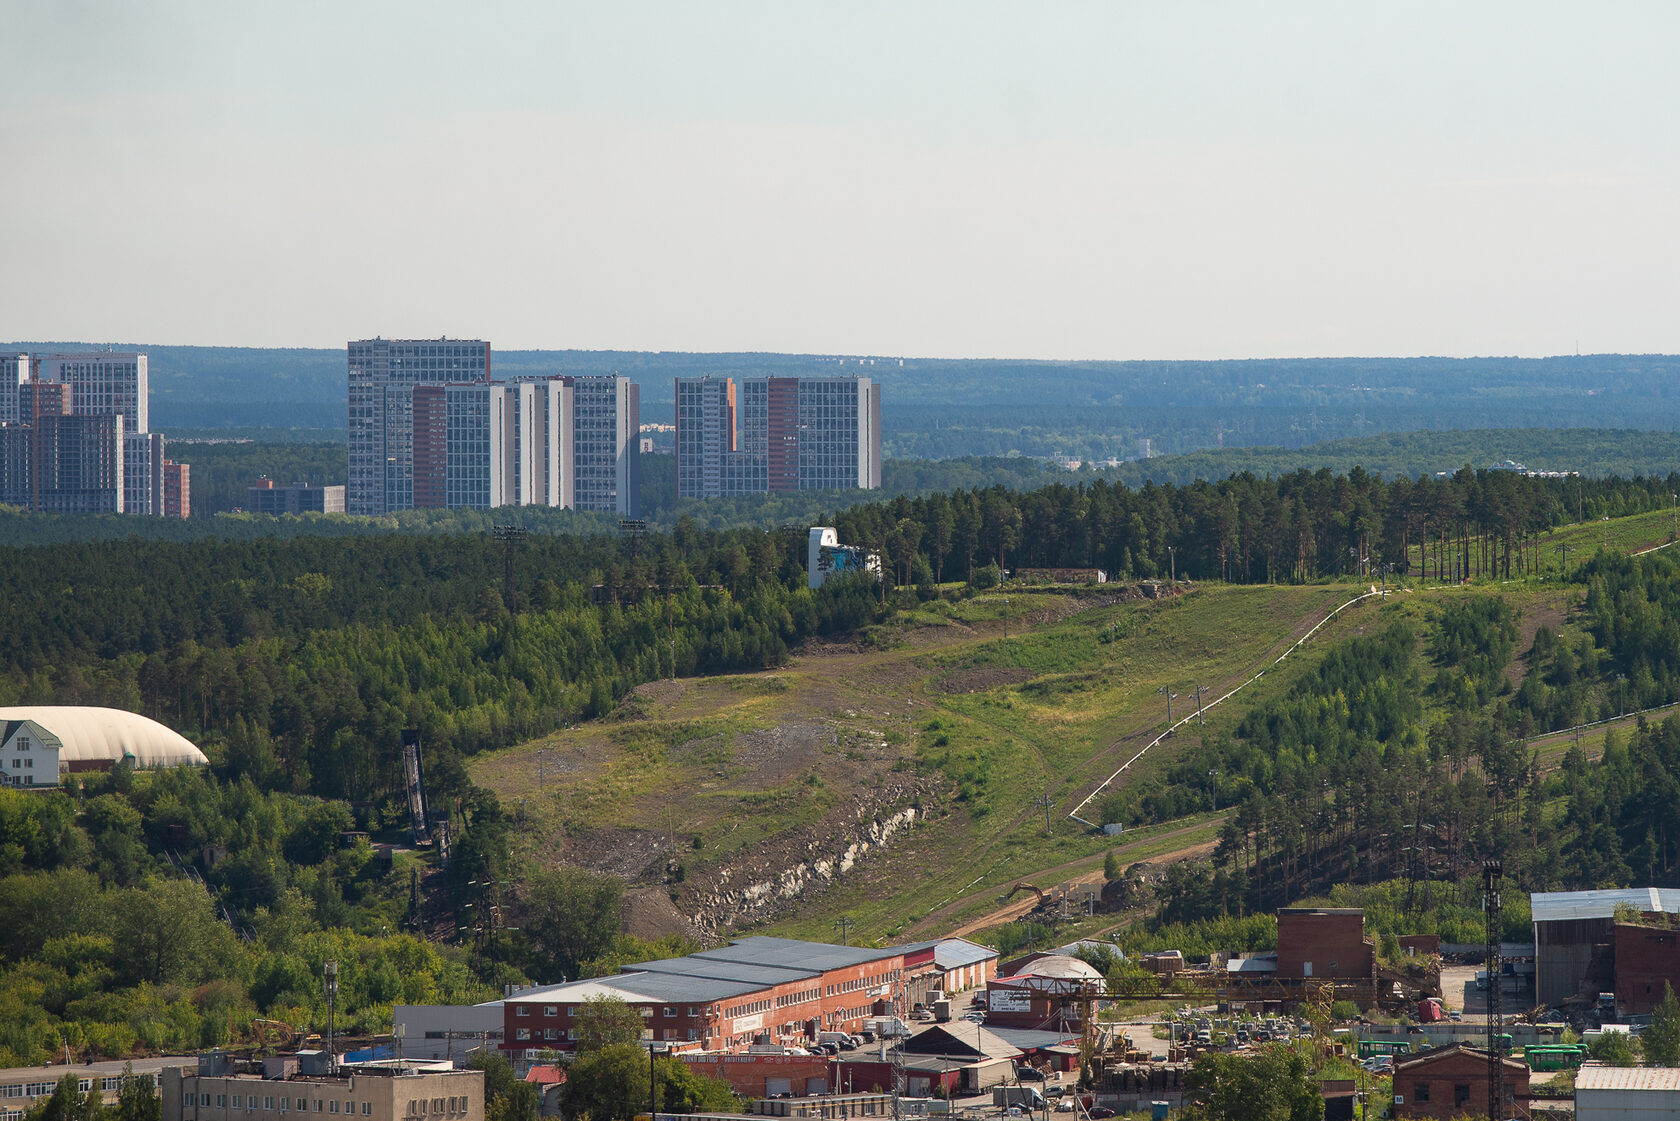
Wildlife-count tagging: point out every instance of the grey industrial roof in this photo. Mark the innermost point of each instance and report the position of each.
(724, 970)
(947, 1039)
(790, 954)
(673, 988)
(1567, 906)
(1594, 1076)
(954, 953)
(1032, 1039)
(1267, 964)
(677, 988)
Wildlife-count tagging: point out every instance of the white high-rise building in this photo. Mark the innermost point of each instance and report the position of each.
(382, 375)
(105, 384)
(608, 418)
(481, 432)
(544, 431)
(15, 370)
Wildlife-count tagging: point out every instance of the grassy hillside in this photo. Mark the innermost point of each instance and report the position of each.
(938, 710)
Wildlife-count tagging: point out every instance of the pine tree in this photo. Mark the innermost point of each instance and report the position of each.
(1662, 1038)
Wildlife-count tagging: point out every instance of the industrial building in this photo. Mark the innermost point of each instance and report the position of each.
(38, 743)
(263, 497)
(751, 990)
(773, 435)
(24, 1088)
(446, 1031)
(309, 1083)
(1575, 941)
(1049, 992)
(1607, 1093)
(1453, 1081)
(1324, 943)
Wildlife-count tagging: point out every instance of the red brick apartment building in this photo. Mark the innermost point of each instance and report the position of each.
(1327, 942)
(724, 998)
(1452, 1082)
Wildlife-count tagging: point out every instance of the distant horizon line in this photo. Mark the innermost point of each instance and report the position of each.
(853, 355)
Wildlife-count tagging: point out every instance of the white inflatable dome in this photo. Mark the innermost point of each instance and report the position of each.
(1061, 967)
(108, 734)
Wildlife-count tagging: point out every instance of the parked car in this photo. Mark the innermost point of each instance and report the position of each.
(1065, 1106)
(1029, 1074)
(1099, 1112)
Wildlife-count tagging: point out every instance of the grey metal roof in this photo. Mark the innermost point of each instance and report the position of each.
(724, 970)
(677, 988)
(1569, 906)
(954, 953)
(1262, 964)
(1595, 1076)
(948, 1040)
(1032, 1039)
(663, 987)
(790, 954)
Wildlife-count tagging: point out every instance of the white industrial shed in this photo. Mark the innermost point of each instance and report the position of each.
(54, 738)
(1627, 1093)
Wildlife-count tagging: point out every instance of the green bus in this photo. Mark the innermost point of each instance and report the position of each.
(1396, 1047)
(1555, 1056)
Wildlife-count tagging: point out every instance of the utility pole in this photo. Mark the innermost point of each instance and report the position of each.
(1172, 564)
(1492, 875)
(1201, 691)
(332, 994)
(844, 926)
(653, 1085)
(1005, 616)
(1213, 786)
(511, 536)
(540, 768)
(1166, 690)
(1045, 803)
(1564, 549)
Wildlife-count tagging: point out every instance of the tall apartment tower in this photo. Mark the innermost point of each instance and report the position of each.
(383, 374)
(607, 419)
(705, 434)
(776, 435)
(105, 384)
(545, 435)
(480, 421)
(58, 462)
(117, 383)
(15, 370)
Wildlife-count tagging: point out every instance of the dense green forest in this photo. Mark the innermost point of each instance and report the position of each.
(1400, 759)
(296, 661)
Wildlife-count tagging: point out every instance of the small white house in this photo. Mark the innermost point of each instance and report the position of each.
(825, 557)
(28, 754)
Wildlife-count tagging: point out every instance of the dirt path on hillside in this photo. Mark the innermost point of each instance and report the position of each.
(1128, 743)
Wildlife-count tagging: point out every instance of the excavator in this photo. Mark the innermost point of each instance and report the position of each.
(1010, 894)
(272, 1034)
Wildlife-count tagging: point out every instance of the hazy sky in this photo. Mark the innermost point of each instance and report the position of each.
(1104, 180)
